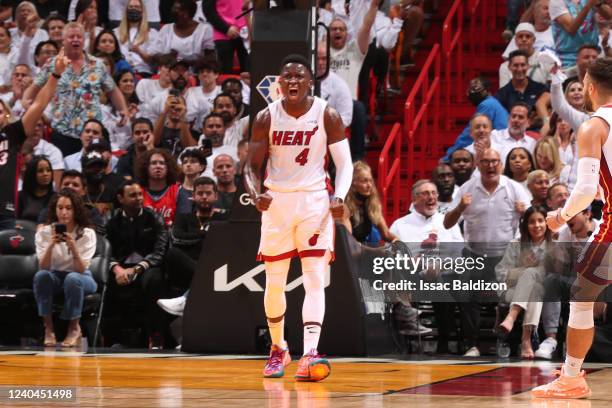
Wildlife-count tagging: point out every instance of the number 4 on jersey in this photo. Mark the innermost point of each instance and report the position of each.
(302, 158)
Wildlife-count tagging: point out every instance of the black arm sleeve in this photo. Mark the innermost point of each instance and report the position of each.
(209, 7)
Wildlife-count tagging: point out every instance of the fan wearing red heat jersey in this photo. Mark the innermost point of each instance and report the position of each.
(295, 134)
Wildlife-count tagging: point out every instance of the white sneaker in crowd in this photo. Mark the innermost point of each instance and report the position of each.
(173, 306)
(472, 352)
(546, 348)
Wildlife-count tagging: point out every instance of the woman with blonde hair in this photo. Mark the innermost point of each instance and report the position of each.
(364, 207)
(546, 154)
(136, 38)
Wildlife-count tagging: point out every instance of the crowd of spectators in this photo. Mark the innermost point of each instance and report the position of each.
(142, 138)
(146, 128)
(516, 160)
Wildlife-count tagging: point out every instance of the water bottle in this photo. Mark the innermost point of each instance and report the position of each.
(503, 348)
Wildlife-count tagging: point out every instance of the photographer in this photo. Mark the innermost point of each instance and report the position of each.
(64, 248)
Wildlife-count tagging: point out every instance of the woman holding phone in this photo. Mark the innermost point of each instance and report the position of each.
(64, 247)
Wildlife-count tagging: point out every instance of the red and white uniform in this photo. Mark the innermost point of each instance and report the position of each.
(595, 263)
(298, 221)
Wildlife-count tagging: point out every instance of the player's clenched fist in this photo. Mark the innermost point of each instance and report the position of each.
(263, 201)
(336, 207)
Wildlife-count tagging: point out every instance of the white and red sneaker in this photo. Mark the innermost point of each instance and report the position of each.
(564, 387)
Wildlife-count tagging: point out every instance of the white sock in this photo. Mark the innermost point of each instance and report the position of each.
(274, 299)
(313, 310)
(312, 333)
(572, 366)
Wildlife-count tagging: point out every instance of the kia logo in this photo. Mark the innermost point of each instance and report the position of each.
(248, 279)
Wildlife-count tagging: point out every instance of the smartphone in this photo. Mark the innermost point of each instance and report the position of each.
(175, 92)
(206, 147)
(60, 228)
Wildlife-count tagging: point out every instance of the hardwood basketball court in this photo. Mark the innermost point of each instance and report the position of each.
(189, 380)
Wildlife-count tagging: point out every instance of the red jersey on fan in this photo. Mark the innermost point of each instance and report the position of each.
(163, 204)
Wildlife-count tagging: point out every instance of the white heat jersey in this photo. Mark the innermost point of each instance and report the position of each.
(298, 149)
(605, 113)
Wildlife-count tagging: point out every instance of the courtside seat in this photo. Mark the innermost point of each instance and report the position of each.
(18, 265)
(26, 225)
(17, 241)
(93, 304)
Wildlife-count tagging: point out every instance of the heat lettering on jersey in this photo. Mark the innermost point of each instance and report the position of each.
(292, 138)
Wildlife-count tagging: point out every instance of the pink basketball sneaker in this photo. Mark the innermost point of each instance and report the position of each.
(278, 360)
(312, 367)
(564, 387)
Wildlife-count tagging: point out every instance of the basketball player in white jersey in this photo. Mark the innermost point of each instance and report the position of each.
(594, 266)
(295, 134)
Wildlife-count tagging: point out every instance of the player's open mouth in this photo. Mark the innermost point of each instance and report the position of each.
(293, 92)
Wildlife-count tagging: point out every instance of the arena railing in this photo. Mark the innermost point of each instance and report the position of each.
(419, 128)
(389, 171)
(452, 49)
(482, 16)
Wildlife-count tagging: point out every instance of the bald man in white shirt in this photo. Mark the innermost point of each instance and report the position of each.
(492, 206)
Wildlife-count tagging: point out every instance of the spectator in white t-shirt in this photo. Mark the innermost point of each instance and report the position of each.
(189, 38)
(537, 71)
(136, 39)
(235, 127)
(204, 95)
(480, 131)
(213, 129)
(536, 14)
(334, 90)
(346, 60)
(426, 219)
(424, 228)
(514, 135)
(444, 179)
(25, 15)
(147, 88)
(491, 206)
(179, 76)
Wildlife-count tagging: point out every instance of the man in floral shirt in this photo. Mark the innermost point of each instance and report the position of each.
(77, 98)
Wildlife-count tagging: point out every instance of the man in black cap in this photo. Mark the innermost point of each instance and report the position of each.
(102, 184)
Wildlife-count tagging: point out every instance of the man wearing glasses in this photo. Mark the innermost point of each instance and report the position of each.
(491, 206)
